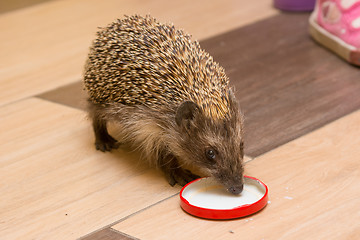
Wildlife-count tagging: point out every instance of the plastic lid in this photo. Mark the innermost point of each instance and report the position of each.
(206, 198)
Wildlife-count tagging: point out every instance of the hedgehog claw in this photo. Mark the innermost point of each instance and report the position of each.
(107, 144)
(181, 176)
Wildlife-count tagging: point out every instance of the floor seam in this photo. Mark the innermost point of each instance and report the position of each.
(128, 216)
(124, 234)
(303, 135)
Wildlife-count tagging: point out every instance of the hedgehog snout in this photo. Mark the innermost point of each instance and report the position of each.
(236, 190)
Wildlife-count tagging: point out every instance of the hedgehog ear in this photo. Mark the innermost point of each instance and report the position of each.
(186, 113)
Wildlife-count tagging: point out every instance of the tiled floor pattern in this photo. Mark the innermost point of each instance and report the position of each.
(56, 186)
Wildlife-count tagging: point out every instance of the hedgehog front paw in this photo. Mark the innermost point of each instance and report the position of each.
(180, 176)
(106, 144)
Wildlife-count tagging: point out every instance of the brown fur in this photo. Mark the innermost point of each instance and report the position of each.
(174, 112)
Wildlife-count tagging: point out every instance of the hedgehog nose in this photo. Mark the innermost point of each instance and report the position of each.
(236, 190)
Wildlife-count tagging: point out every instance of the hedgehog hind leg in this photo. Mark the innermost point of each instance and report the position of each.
(174, 173)
(103, 140)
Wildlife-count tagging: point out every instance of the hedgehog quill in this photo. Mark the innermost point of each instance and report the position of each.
(169, 98)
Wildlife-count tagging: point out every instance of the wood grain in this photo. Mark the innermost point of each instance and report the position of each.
(72, 95)
(314, 193)
(12, 5)
(45, 46)
(287, 85)
(55, 185)
(108, 234)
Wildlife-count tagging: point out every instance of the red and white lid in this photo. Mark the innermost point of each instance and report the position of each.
(206, 198)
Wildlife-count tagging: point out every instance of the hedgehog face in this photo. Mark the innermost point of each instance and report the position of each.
(214, 145)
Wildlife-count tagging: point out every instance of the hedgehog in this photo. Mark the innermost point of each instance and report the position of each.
(169, 100)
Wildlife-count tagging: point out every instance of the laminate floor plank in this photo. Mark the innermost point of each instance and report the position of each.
(44, 46)
(108, 234)
(287, 85)
(12, 5)
(72, 95)
(55, 185)
(314, 184)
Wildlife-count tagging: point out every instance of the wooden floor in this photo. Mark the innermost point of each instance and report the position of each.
(301, 104)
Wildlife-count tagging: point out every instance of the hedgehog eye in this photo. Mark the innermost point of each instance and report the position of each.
(210, 154)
